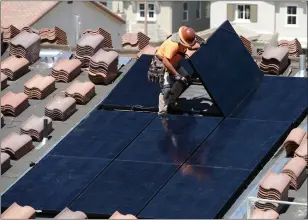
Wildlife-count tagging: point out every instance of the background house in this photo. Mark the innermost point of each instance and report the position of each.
(163, 17)
(73, 17)
(289, 19)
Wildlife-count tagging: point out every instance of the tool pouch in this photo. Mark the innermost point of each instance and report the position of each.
(156, 71)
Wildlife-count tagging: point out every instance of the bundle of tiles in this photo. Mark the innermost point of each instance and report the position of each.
(301, 151)
(39, 87)
(53, 35)
(34, 127)
(65, 70)
(273, 187)
(14, 103)
(275, 60)
(247, 44)
(150, 50)
(135, 41)
(82, 92)
(16, 145)
(87, 46)
(9, 33)
(14, 67)
(60, 108)
(296, 169)
(3, 81)
(107, 42)
(26, 45)
(103, 67)
(294, 140)
(294, 47)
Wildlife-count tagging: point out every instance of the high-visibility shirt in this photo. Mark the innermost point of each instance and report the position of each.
(172, 49)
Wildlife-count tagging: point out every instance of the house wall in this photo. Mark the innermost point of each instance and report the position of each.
(197, 24)
(90, 16)
(265, 15)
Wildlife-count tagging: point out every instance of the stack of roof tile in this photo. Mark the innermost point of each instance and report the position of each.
(3, 81)
(69, 214)
(135, 41)
(293, 140)
(103, 66)
(14, 103)
(301, 151)
(14, 67)
(82, 92)
(53, 35)
(5, 164)
(87, 46)
(294, 47)
(16, 211)
(247, 44)
(34, 127)
(65, 70)
(150, 50)
(17, 145)
(273, 187)
(107, 42)
(296, 169)
(275, 60)
(60, 108)
(39, 87)
(264, 214)
(9, 33)
(26, 45)
(118, 215)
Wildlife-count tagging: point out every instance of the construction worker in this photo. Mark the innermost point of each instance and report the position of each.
(175, 77)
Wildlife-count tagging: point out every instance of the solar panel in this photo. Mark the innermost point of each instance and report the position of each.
(205, 185)
(226, 69)
(124, 186)
(53, 183)
(277, 99)
(104, 134)
(170, 139)
(134, 90)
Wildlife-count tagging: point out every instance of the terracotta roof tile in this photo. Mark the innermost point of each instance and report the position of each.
(16, 211)
(118, 215)
(82, 92)
(39, 86)
(5, 163)
(69, 214)
(14, 103)
(60, 108)
(34, 127)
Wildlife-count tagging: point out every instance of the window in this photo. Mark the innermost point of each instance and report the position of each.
(243, 12)
(185, 11)
(151, 16)
(198, 10)
(291, 15)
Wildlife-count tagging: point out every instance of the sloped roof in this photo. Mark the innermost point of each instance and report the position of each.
(26, 13)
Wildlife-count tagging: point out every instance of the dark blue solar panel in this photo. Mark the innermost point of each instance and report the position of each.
(238, 143)
(208, 182)
(277, 99)
(134, 90)
(170, 139)
(124, 186)
(226, 68)
(195, 193)
(54, 182)
(104, 134)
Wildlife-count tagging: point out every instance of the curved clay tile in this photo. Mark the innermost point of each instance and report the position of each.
(67, 65)
(130, 38)
(278, 182)
(90, 40)
(16, 211)
(107, 42)
(82, 92)
(296, 169)
(263, 214)
(34, 127)
(69, 214)
(106, 57)
(3, 81)
(118, 215)
(277, 53)
(14, 103)
(60, 108)
(17, 145)
(39, 86)
(147, 50)
(293, 140)
(14, 63)
(5, 162)
(25, 39)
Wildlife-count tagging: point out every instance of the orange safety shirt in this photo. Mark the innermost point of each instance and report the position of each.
(172, 50)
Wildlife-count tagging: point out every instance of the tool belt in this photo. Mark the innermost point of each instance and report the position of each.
(156, 71)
